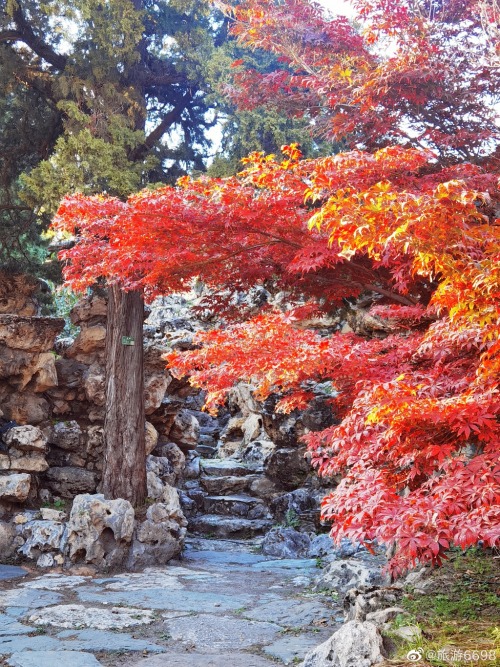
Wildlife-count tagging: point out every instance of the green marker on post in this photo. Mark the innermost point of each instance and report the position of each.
(128, 340)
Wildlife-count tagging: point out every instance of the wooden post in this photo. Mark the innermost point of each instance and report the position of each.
(124, 474)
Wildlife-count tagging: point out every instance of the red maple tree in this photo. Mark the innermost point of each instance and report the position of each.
(414, 223)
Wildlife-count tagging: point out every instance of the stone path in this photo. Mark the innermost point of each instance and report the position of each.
(221, 606)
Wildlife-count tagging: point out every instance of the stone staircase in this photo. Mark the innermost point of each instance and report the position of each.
(224, 503)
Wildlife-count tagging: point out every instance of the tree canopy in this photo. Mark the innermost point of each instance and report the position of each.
(407, 216)
(112, 97)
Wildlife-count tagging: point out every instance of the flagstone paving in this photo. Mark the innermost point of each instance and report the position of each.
(223, 606)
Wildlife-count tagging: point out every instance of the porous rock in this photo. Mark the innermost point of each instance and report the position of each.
(175, 456)
(8, 542)
(285, 543)
(70, 481)
(41, 536)
(26, 439)
(94, 384)
(151, 437)
(99, 530)
(66, 435)
(258, 452)
(15, 487)
(343, 574)
(90, 339)
(356, 644)
(26, 408)
(34, 334)
(89, 308)
(155, 386)
(160, 537)
(185, 431)
(288, 467)
(23, 462)
(359, 602)
(17, 293)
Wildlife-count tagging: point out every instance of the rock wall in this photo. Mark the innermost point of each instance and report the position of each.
(52, 402)
(51, 434)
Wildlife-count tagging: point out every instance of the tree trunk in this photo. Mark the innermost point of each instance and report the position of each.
(124, 474)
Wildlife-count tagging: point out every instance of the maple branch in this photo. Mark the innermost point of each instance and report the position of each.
(213, 260)
(394, 296)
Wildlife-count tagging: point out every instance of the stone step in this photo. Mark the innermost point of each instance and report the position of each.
(205, 450)
(237, 505)
(226, 468)
(215, 525)
(220, 486)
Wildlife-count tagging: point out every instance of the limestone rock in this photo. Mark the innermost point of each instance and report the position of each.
(26, 408)
(322, 546)
(241, 397)
(262, 487)
(295, 504)
(383, 616)
(17, 461)
(161, 536)
(192, 469)
(158, 472)
(99, 530)
(66, 435)
(90, 339)
(49, 514)
(34, 334)
(151, 438)
(356, 644)
(258, 452)
(176, 457)
(26, 439)
(17, 294)
(159, 489)
(70, 373)
(285, 543)
(409, 633)
(420, 579)
(44, 373)
(45, 560)
(8, 542)
(155, 386)
(288, 467)
(78, 616)
(94, 384)
(16, 366)
(42, 536)
(185, 431)
(344, 574)
(70, 481)
(359, 602)
(15, 487)
(89, 308)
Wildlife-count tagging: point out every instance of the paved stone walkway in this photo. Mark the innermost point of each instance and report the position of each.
(221, 606)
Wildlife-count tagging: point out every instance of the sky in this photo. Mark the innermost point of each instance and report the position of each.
(338, 6)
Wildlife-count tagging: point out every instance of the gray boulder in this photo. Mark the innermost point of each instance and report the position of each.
(100, 531)
(356, 644)
(286, 543)
(15, 487)
(287, 467)
(70, 481)
(344, 574)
